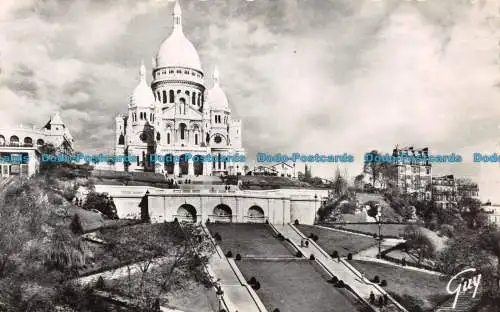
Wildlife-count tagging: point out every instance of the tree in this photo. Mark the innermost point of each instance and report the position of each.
(419, 243)
(76, 224)
(339, 184)
(381, 173)
(102, 203)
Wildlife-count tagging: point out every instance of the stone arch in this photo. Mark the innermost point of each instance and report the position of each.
(186, 213)
(256, 214)
(2, 140)
(222, 213)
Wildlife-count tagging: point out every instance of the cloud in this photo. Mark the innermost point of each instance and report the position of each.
(324, 76)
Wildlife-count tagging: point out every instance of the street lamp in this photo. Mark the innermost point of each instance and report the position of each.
(219, 294)
(379, 220)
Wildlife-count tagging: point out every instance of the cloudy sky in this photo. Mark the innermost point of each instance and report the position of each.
(310, 76)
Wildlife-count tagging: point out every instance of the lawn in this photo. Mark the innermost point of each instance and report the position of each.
(294, 286)
(342, 242)
(428, 289)
(387, 229)
(249, 240)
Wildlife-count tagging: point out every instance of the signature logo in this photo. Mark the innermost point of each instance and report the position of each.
(464, 284)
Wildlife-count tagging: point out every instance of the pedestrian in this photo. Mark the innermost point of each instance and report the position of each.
(302, 242)
(307, 242)
(372, 297)
(380, 301)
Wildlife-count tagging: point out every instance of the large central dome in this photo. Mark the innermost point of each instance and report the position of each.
(177, 50)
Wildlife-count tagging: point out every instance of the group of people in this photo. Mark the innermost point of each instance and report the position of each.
(304, 242)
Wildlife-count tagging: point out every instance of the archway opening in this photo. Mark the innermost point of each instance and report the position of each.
(186, 213)
(169, 163)
(183, 164)
(222, 213)
(198, 165)
(256, 214)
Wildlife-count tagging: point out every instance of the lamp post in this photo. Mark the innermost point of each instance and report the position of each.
(379, 220)
(219, 294)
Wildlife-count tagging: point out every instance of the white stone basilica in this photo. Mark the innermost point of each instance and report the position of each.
(177, 116)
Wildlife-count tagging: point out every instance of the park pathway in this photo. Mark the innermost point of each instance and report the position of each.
(343, 270)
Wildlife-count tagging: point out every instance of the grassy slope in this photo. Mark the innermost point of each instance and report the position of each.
(294, 286)
(249, 240)
(427, 287)
(343, 243)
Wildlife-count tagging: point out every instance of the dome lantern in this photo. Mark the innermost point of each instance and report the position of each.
(177, 50)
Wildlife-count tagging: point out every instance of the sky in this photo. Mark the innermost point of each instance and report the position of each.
(307, 76)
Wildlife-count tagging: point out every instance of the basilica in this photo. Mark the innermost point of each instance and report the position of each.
(176, 115)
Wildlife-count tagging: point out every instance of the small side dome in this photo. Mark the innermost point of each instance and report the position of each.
(216, 98)
(142, 95)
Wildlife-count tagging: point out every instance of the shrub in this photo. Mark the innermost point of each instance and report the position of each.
(217, 237)
(296, 222)
(229, 254)
(312, 257)
(340, 284)
(376, 279)
(372, 297)
(238, 257)
(349, 256)
(76, 224)
(276, 310)
(252, 280)
(383, 283)
(386, 299)
(280, 237)
(335, 254)
(334, 280)
(403, 261)
(256, 286)
(100, 283)
(374, 235)
(298, 254)
(208, 221)
(447, 230)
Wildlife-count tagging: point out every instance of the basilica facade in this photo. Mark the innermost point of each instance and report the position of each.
(177, 117)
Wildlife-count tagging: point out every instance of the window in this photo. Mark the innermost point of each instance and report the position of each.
(171, 95)
(196, 139)
(193, 98)
(171, 71)
(158, 96)
(164, 96)
(186, 72)
(187, 94)
(157, 136)
(182, 129)
(168, 138)
(179, 71)
(217, 139)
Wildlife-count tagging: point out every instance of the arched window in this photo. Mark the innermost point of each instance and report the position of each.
(196, 139)
(2, 140)
(199, 99)
(28, 141)
(171, 95)
(182, 130)
(39, 142)
(168, 138)
(187, 93)
(14, 140)
(164, 98)
(121, 140)
(158, 96)
(157, 136)
(193, 98)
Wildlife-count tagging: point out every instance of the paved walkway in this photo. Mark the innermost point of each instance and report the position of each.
(341, 270)
(236, 291)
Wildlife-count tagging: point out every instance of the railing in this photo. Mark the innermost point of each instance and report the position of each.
(218, 218)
